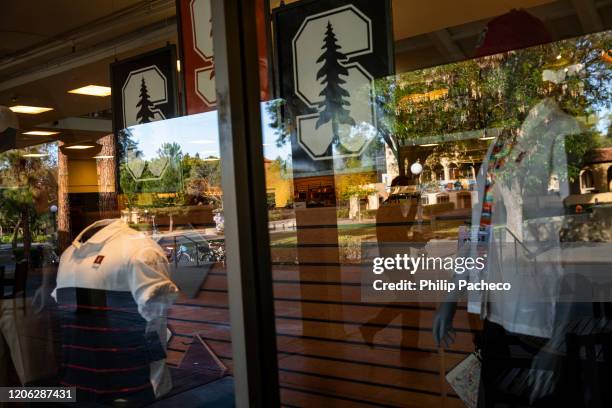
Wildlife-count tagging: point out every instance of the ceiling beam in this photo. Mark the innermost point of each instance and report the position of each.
(129, 16)
(76, 123)
(444, 43)
(141, 38)
(588, 15)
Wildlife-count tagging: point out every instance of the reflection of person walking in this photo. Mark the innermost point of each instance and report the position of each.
(395, 220)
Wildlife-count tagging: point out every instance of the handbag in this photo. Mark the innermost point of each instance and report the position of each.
(464, 378)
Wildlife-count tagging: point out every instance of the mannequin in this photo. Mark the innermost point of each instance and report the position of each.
(528, 314)
(500, 218)
(113, 291)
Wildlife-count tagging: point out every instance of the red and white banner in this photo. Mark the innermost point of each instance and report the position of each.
(197, 60)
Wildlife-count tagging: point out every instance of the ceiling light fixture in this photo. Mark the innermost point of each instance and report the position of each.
(40, 133)
(82, 151)
(92, 90)
(79, 147)
(35, 155)
(30, 110)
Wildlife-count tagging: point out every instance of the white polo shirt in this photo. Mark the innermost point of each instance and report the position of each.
(118, 258)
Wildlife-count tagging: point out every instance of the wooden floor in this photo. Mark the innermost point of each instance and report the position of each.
(333, 349)
(324, 359)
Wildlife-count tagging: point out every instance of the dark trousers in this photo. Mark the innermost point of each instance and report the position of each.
(506, 361)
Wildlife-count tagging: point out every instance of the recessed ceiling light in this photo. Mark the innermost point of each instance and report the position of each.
(31, 110)
(40, 133)
(35, 155)
(79, 147)
(429, 144)
(103, 157)
(93, 90)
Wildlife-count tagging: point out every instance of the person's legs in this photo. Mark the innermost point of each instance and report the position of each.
(381, 320)
(6, 365)
(495, 354)
(506, 360)
(12, 337)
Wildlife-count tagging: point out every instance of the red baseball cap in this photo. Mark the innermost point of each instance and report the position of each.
(513, 30)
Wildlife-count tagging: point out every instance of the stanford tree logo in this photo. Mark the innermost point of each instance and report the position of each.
(143, 92)
(337, 89)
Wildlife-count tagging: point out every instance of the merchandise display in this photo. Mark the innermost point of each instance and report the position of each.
(306, 203)
(113, 291)
(504, 192)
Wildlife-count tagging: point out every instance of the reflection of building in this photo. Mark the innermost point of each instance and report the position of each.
(447, 181)
(316, 191)
(447, 178)
(594, 185)
(596, 176)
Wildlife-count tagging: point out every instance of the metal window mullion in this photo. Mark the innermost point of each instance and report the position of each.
(244, 202)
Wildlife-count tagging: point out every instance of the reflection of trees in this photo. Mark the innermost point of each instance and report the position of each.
(278, 124)
(169, 150)
(129, 186)
(171, 179)
(282, 129)
(161, 174)
(184, 179)
(127, 143)
(278, 182)
(202, 179)
(107, 174)
(63, 203)
(28, 189)
(494, 92)
(355, 183)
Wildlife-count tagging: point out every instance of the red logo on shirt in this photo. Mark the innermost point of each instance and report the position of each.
(98, 260)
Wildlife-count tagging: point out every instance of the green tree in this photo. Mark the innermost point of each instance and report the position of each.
(354, 184)
(170, 180)
(495, 92)
(203, 178)
(28, 189)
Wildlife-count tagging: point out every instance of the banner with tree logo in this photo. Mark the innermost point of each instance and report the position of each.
(144, 88)
(329, 54)
(144, 91)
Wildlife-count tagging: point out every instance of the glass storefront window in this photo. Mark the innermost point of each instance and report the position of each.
(437, 189)
(486, 139)
(116, 266)
(112, 254)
